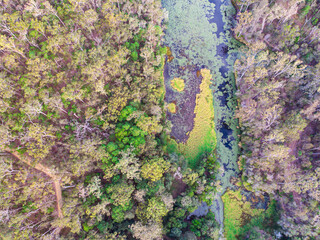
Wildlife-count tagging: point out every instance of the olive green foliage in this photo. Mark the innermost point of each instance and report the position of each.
(205, 227)
(154, 169)
(175, 222)
(126, 135)
(199, 189)
(81, 91)
(154, 209)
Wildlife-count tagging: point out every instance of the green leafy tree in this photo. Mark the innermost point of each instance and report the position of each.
(154, 169)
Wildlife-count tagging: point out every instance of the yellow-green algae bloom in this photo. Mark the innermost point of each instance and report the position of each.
(177, 84)
(172, 107)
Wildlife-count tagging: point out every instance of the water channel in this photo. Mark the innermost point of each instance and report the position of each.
(198, 34)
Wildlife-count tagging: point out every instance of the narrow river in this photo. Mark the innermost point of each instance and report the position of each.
(198, 34)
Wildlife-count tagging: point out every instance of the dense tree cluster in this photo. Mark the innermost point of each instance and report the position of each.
(277, 77)
(82, 126)
(81, 93)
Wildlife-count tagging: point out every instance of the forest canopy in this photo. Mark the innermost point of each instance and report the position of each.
(85, 144)
(83, 125)
(277, 78)
(81, 115)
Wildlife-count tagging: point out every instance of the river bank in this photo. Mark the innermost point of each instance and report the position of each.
(198, 35)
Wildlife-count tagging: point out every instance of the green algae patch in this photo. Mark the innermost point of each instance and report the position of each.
(177, 84)
(202, 138)
(172, 107)
(237, 213)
